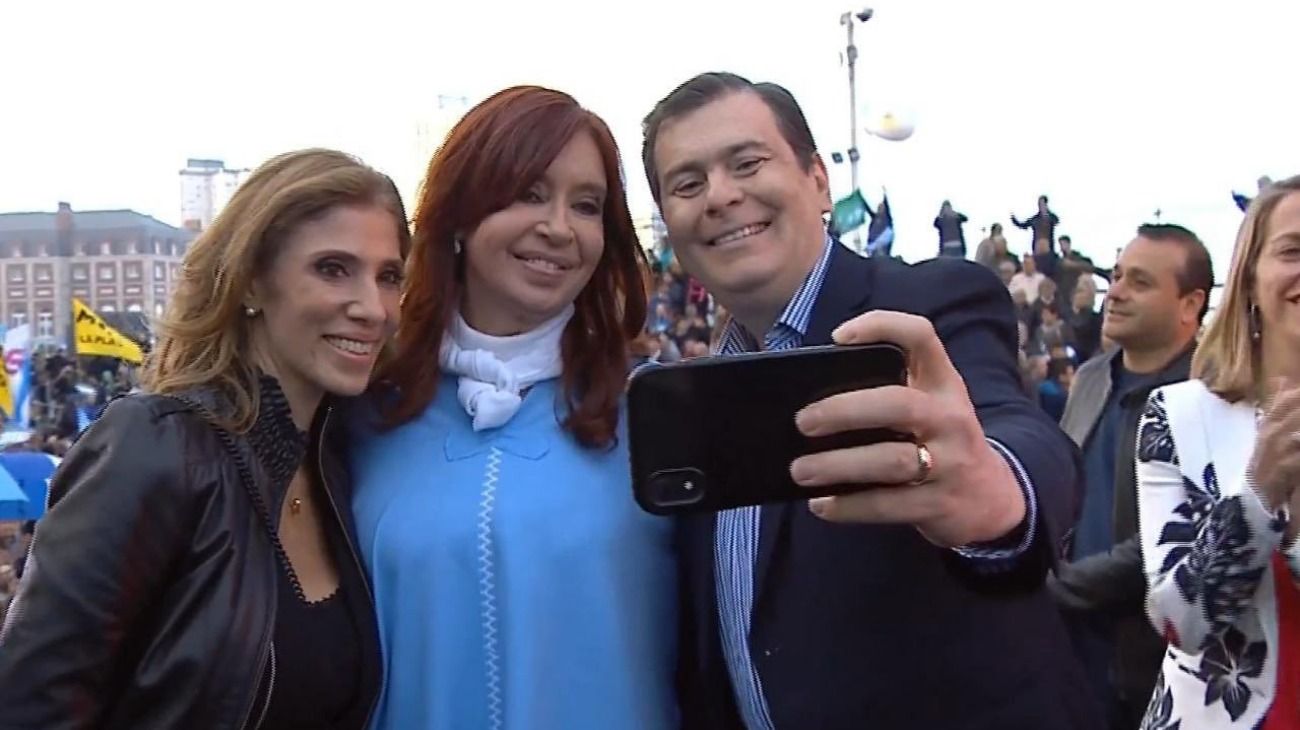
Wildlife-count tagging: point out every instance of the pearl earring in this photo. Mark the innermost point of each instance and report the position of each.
(250, 312)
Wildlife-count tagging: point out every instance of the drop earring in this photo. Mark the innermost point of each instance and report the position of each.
(250, 312)
(1256, 328)
(457, 246)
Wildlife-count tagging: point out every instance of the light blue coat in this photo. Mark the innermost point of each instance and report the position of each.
(517, 583)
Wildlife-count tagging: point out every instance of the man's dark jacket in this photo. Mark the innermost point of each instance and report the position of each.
(872, 626)
(1112, 584)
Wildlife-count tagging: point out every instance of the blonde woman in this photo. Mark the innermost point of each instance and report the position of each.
(1218, 470)
(197, 567)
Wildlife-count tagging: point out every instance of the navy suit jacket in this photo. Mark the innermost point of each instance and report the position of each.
(872, 627)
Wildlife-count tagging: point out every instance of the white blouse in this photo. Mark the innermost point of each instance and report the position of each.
(1207, 547)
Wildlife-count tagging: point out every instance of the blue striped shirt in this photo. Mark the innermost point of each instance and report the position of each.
(735, 549)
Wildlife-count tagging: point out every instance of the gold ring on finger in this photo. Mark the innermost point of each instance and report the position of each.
(924, 465)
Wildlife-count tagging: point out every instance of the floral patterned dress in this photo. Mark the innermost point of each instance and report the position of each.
(1222, 588)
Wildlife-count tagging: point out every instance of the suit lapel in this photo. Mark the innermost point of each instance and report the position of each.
(772, 525)
(844, 294)
(698, 535)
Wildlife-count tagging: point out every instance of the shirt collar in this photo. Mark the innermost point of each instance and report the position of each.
(794, 319)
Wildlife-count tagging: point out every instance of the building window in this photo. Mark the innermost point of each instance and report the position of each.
(17, 274)
(106, 273)
(132, 270)
(135, 307)
(45, 324)
(108, 307)
(158, 309)
(44, 273)
(18, 319)
(159, 271)
(80, 272)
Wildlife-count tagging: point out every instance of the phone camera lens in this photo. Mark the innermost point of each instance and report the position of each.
(677, 487)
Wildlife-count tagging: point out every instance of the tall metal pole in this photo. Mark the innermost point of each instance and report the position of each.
(851, 53)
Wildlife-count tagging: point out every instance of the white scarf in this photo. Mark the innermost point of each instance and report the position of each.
(494, 371)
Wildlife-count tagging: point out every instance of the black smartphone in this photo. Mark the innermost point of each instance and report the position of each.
(717, 433)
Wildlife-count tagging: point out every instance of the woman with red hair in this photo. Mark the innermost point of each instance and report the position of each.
(516, 582)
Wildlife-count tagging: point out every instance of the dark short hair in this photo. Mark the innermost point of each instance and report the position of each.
(1057, 366)
(1198, 269)
(1066, 239)
(711, 86)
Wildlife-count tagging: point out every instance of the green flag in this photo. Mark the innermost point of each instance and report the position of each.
(850, 212)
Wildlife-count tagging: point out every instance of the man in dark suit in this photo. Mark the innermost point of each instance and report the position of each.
(918, 603)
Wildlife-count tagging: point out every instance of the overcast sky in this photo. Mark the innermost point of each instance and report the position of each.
(1113, 108)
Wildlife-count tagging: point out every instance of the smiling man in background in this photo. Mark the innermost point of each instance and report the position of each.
(1154, 308)
(916, 604)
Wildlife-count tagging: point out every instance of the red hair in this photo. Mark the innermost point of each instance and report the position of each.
(490, 158)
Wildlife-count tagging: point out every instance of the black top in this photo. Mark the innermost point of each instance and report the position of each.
(317, 652)
(950, 228)
(1044, 226)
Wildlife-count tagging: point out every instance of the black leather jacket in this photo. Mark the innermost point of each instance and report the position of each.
(151, 595)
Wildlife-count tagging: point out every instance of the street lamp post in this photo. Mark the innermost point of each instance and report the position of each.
(851, 54)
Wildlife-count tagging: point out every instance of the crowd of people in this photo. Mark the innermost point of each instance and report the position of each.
(446, 536)
(66, 393)
(1054, 288)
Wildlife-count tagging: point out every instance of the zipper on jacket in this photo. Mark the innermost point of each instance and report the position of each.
(270, 688)
(267, 657)
(347, 539)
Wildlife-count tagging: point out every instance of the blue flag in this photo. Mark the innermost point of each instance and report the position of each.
(32, 471)
(880, 236)
(83, 418)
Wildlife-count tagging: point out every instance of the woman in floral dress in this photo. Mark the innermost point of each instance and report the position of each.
(1218, 471)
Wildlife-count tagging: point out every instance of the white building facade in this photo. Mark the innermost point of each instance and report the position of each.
(206, 187)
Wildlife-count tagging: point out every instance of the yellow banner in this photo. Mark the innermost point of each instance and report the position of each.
(6, 392)
(95, 337)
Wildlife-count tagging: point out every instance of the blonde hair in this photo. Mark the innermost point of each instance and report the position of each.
(1227, 360)
(204, 335)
